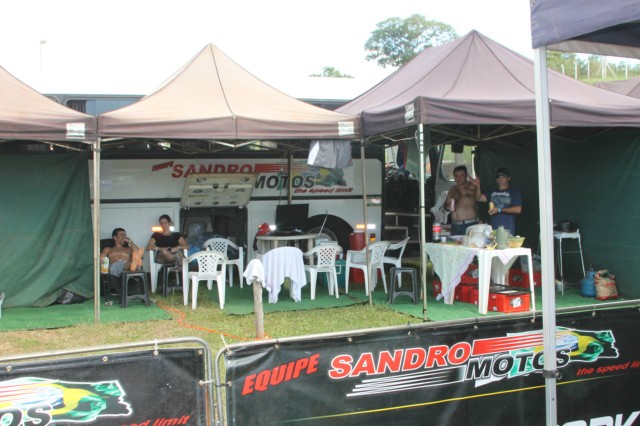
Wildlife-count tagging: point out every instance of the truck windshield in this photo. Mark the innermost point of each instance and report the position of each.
(451, 159)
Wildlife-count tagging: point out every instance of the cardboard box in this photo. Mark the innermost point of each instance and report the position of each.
(509, 301)
(520, 278)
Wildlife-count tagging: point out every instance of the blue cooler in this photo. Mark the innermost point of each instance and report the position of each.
(340, 267)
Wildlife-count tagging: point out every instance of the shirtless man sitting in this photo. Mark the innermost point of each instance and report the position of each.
(125, 254)
(461, 202)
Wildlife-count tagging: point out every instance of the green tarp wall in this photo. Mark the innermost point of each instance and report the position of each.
(596, 185)
(45, 228)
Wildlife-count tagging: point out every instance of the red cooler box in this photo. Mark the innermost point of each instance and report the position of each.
(509, 301)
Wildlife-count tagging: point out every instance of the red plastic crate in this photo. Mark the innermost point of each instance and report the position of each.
(463, 292)
(473, 295)
(467, 277)
(519, 278)
(436, 287)
(458, 296)
(508, 301)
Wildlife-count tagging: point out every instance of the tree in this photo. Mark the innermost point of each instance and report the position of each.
(396, 41)
(331, 72)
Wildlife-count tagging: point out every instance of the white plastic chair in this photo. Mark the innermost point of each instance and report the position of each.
(357, 259)
(211, 267)
(326, 263)
(221, 245)
(396, 261)
(155, 267)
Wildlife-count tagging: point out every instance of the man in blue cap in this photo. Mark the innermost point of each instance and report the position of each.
(504, 203)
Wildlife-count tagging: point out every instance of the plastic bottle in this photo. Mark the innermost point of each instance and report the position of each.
(435, 230)
(104, 265)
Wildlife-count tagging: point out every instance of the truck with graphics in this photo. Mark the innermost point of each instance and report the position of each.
(134, 192)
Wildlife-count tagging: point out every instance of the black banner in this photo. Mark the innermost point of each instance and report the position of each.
(475, 374)
(123, 389)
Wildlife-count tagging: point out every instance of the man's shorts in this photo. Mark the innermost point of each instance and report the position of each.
(116, 269)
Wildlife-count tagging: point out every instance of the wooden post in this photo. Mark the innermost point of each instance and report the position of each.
(257, 308)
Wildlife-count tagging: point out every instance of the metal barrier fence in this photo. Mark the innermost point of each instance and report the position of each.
(151, 383)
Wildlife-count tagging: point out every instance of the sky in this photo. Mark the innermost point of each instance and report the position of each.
(133, 46)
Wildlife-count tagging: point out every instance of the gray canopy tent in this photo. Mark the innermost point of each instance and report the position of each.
(583, 26)
(25, 115)
(630, 87)
(474, 80)
(474, 91)
(214, 100)
(46, 210)
(212, 104)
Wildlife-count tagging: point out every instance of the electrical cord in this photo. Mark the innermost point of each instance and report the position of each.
(181, 318)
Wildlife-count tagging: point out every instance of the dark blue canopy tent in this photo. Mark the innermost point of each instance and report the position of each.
(580, 26)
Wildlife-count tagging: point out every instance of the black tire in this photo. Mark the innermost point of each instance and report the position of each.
(334, 229)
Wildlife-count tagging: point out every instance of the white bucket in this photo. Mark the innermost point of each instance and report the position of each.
(559, 286)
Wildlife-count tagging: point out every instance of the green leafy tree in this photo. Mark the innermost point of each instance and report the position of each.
(331, 72)
(396, 41)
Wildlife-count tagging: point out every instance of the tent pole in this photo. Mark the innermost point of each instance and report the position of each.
(423, 238)
(290, 180)
(96, 229)
(546, 233)
(366, 222)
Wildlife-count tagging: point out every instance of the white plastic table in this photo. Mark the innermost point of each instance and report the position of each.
(451, 261)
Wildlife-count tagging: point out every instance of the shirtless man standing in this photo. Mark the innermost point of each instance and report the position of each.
(121, 256)
(461, 202)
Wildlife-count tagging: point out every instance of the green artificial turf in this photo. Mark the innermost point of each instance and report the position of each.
(57, 316)
(239, 301)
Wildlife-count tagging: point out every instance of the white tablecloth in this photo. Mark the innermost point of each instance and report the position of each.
(279, 264)
(451, 261)
(254, 272)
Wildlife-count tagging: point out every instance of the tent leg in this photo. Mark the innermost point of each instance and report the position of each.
(96, 229)
(546, 234)
(423, 237)
(366, 221)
